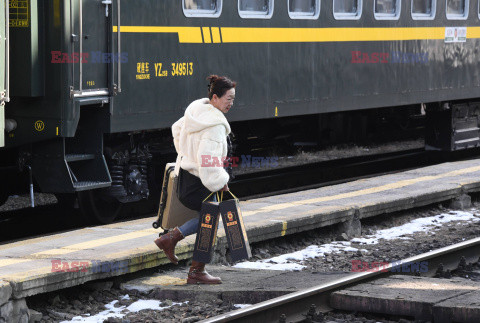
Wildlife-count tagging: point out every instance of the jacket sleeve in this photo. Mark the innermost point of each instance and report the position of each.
(210, 158)
(176, 128)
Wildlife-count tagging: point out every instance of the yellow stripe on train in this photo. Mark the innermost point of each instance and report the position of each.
(297, 35)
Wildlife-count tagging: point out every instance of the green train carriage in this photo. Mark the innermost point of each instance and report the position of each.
(95, 85)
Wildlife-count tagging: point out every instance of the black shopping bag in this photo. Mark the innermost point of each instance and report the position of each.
(207, 231)
(235, 229)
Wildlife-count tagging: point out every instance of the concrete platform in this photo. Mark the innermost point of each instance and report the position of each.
(443, 300)
(463, 308)
(62, 260)
(240, 286)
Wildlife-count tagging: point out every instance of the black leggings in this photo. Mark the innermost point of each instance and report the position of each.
(191, 191)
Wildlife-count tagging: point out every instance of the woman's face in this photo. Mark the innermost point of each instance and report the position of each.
(224, 103)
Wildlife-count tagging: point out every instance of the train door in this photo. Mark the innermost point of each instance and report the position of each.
(3, 64)
(91, 45)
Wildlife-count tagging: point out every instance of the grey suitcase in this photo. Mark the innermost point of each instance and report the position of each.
(171, 212)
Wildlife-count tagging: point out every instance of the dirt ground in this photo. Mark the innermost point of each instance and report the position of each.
(91, 298)
(332, 153)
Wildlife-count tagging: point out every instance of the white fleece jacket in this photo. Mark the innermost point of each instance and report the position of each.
(203, 131)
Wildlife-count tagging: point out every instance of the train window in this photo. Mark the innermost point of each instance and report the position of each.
(347, 9)
(255, 8)
(457, 9)
(202, 8)
(387, 9)
(424, 9)
(304, 9)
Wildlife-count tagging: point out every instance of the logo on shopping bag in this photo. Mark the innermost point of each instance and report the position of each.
(207, 219)
(230, 219)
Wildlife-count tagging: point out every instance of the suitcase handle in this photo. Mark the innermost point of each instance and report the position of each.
(163, 203)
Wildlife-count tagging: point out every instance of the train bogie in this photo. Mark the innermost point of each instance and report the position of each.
(97, 84)
(452, 127)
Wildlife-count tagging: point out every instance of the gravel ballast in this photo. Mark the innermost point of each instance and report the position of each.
(92, 298)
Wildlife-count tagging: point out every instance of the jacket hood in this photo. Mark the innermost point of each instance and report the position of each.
(200, 115)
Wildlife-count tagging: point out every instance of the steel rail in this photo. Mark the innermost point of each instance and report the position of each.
(294, 305)
(319, 174)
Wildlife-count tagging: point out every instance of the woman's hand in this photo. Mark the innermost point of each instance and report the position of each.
(225, 188)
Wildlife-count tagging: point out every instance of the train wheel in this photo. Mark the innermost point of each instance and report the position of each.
(66, 200)
(3, 197)
(97, 207)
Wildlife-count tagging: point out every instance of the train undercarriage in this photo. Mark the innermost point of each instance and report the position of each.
(101, 173)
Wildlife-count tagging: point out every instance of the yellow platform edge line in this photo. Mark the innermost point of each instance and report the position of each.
(94, 243)
(13, 261)
(138, 234)
(366, 191)
(284, 228)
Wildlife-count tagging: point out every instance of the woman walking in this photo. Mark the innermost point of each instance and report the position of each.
(200, 137)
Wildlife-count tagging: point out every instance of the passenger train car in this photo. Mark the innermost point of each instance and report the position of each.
(94, 85)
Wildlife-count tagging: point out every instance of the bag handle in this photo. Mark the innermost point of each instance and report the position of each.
(211, 195)
(221, 195)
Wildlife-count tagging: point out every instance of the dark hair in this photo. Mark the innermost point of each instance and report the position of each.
(219, 85)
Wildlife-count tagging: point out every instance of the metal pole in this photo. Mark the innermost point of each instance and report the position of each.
(118, 49)
(81, 42)
(32, 198)
(7, 50)
(72, 48)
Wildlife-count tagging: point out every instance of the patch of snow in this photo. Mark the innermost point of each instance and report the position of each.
(417, 225)
(269, 266)
(121, 311)
(294, 260)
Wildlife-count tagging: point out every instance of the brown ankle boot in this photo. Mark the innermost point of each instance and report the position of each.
(198, 275)
(167, 243)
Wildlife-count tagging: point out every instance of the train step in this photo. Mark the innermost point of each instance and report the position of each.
(89, 185)
(87, 171)
(73, 164)
(78, 157)
(57, 169)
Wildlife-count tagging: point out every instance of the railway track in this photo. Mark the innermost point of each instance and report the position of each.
(47, 219)
(293, 307)
(318, 174)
